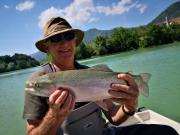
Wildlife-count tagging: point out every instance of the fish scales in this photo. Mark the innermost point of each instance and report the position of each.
(82, 87)
(86, 84)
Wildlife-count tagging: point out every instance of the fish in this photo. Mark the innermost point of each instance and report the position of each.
(90, 84)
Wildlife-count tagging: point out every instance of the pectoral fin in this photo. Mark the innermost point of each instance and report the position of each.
(102, 104)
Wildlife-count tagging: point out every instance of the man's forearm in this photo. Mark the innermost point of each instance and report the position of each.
(115, 115)
(48, 126)
(119, 115)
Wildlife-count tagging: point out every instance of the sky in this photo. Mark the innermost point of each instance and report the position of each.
(22, 21)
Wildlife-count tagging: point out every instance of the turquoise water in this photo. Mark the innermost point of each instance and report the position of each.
(162, 62)
(11, 102)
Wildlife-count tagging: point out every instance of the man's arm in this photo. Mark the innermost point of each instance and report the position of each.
(61, 104)
(115, 115)
(47, 126)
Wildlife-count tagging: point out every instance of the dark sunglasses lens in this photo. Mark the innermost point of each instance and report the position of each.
(56, 39)
(66, 36)
(69, 36)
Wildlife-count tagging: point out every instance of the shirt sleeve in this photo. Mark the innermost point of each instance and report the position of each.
(35, 107)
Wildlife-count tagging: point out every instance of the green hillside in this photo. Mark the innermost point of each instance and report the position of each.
(172, 12)
(93, 33)
(16, 62)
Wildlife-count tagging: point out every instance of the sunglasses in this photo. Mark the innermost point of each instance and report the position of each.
(68, 36)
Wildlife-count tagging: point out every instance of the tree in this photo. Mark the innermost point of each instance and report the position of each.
(3, 67)
(99, 45)
(83, 51)
(17, 61)
(10, 66)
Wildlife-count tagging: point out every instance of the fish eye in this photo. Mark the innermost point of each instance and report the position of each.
(35, 84)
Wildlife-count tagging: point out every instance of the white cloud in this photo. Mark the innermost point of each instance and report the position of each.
(141, 7)
(6, 6)
(27, 5)
(47, 14)
(83, 11)
(120, 8)
(78, 12)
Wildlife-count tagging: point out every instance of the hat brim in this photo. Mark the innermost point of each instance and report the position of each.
(78, 33)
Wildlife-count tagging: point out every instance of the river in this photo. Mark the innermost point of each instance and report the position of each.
(162, 62)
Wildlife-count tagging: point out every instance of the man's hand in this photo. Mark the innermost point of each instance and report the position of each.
(126, 95)
(62, 102)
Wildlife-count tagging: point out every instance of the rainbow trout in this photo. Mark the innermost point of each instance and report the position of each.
(90, 84)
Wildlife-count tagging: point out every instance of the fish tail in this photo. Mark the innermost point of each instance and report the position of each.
(145, 77)
(144, 89)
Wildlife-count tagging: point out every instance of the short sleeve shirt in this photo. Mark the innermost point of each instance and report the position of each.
(35, 107)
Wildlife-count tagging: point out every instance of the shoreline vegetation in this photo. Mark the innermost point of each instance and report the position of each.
(151, 47)
(121, 40)
(16, 62)
(127, 39)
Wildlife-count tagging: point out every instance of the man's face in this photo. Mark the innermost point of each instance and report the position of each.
(61, 48)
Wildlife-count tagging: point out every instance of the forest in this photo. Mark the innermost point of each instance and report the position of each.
(16, 62)
(126, 39)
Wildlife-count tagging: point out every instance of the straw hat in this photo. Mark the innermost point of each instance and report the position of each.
(57, 25)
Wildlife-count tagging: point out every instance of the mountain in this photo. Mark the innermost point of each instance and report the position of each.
(172, 13)
(39, 56)
(91, 34)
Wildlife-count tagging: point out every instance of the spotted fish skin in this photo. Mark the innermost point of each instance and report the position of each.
(90, 84)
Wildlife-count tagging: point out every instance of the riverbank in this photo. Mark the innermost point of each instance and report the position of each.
(16, 62)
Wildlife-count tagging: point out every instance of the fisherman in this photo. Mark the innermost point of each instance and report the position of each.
(59, 114)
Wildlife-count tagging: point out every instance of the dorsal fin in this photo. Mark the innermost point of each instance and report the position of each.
(101, 67)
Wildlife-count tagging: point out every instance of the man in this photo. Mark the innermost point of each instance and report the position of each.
(59, 114)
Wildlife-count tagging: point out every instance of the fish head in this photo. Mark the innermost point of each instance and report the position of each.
(41, 87)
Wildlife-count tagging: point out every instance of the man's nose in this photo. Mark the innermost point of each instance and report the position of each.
(63, 43)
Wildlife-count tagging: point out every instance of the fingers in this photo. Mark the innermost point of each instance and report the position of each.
(130, 82)
(119, 89)
(119, 94)
(54, 96)
(61, 98)
(126, 94)
(62, 102)
(69, 103)
(131, 87)
(124, 88)
(128, 78)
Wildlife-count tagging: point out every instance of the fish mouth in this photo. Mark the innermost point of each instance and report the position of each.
(31, 84)
(29, 89)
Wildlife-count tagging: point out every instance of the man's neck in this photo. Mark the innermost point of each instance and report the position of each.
(68, 65)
